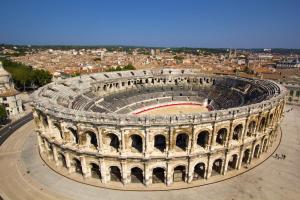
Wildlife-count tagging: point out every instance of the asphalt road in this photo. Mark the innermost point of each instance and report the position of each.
(8, 130)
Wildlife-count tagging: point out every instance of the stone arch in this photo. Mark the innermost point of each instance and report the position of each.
(115, 174)
(271, 117)
(221, 136)
(202, 139)
(179, 173)
(264, 145)
(158, 175)
(73, 136)
(95, 171)
(49, 148)
(160, 142)
(182, 141)
(91, 138)
(237, 132)
(199, 171)
(136, 143)
(44, 121)
(246, 156)
(62, 160)
(233, 162)
(217, 167)
(251, 128)
(256, 151)
(56, 129)
(262, 124)
(113, 141)
(136, 175)
(77, 165)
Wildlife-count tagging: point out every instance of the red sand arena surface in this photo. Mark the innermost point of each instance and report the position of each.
(173, 108)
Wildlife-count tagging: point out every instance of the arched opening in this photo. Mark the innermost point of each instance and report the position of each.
(136, 175)
(113, 141)
(237, 132)
(221, 136)
(182, 141)
(73, 135)
(57, 131)
(232, 163)
(262, 124)
(202, 139)
(251, 128)
(265, 148)
(136, 143)
(77, 165)
(91, 139)
(95, 171)
(256, 151)
(115, 174)
(44, 121)
(160, 142)
(62, 160)
(158, 175)
(270, 119)
(199, 171)
(217, 167)
(179, 174)
(49, 148)
(246, 157)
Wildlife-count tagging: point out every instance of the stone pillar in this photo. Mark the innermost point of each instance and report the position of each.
(251, 154)
(209, 140)
(189, 145)
(213, 136)
(193, 141)
(229, 135)
(245, 129)
(68, 161)
(168, 174)
(100, 140)
(123, 143)
(190, 171)
(209, 167)
(125, 174)
(147, 174)
(105, 176)
(171, 135)
(55, 158)
(146, 144)
(40, 143)
(240, 157)
(83, 167)
(225, 164)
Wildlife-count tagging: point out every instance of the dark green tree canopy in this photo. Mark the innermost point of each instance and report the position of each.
(24, 76)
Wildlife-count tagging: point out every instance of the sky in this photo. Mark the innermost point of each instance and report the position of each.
(161, 23)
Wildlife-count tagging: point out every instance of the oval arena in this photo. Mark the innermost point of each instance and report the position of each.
(155, 127)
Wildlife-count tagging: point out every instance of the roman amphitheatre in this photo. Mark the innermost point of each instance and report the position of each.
(152, 130)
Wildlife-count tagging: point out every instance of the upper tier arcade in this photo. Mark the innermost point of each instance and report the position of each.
(111, 98)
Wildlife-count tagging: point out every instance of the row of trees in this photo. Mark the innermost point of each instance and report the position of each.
(3, 115)
(26, 77)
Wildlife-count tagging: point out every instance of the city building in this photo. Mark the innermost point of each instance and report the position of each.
(9, 97)
(288, 63)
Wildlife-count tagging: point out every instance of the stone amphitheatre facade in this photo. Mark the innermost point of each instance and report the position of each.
(90, 125)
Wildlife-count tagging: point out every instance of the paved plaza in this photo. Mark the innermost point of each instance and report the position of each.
(25, 176)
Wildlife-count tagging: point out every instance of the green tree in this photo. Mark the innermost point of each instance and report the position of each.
(24, 76)
(3, 115)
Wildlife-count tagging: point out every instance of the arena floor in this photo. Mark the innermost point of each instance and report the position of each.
(171, 109)
(23, 175)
